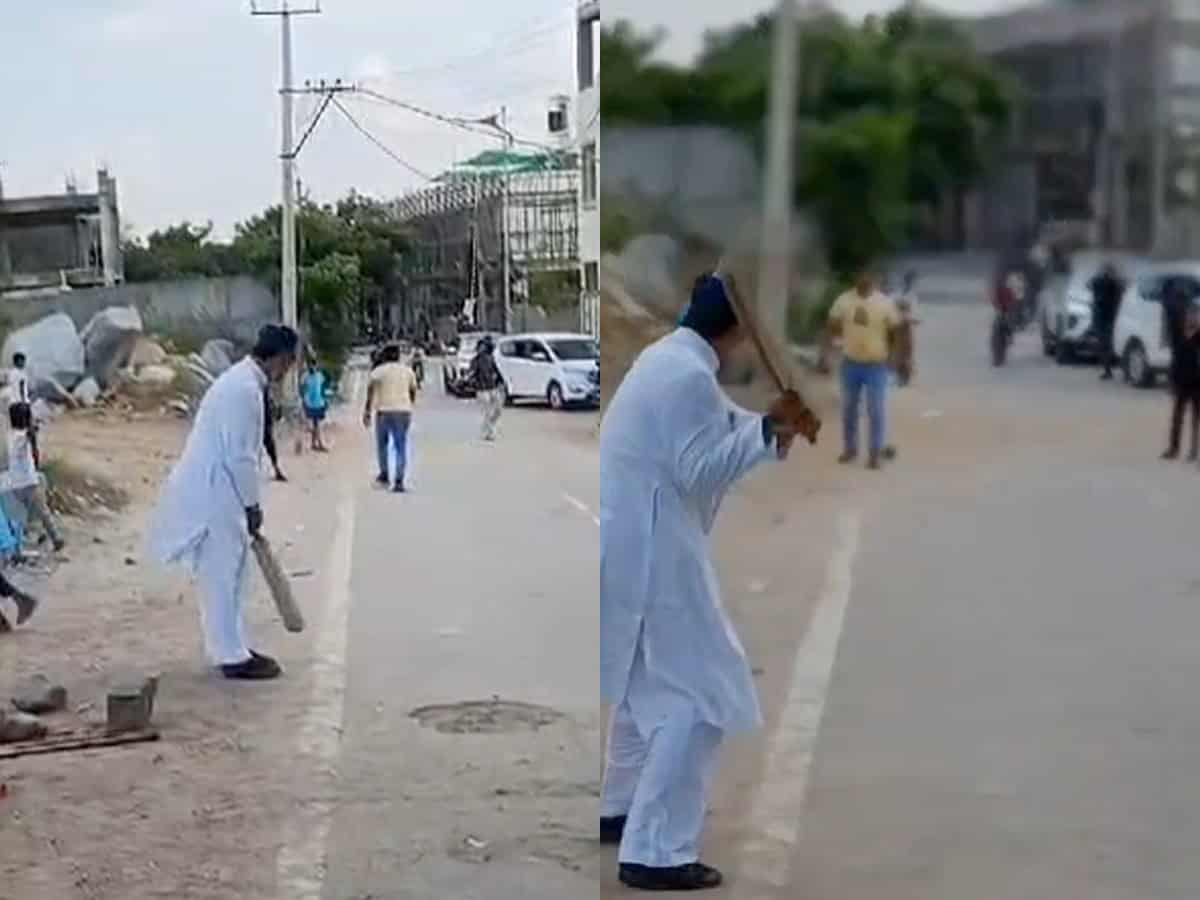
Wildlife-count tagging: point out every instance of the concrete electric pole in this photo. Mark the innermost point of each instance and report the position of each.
(287, 156)
(774, 273)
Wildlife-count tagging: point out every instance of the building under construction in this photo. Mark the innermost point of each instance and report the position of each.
(1108, 134)
(456, 263)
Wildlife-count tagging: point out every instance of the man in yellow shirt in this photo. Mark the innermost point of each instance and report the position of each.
(391, 394)
(866, 320)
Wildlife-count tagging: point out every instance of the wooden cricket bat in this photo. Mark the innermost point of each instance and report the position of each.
(774, 360)
(278, 584)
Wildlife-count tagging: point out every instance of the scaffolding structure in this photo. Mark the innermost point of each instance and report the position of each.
(456, 240)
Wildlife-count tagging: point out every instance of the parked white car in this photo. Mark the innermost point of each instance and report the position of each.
(1067, 327)
(560, 369)
(1139, 338)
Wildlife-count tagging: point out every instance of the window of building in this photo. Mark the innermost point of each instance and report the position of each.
(1185, 66)
(1186, 10)
(591, 277)
(589, 175)
(586, 55)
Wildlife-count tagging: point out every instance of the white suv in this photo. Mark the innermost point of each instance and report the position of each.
(561, 369)
(1139, 338)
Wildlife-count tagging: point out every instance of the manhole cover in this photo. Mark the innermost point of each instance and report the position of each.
(485, 717)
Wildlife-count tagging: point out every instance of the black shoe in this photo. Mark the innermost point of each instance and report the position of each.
(399, 489)
(382, 480)
(692, 877)
(256, 668)
(1106, 376)
(847, 458)
(26, 606)
(873, 462)
(1170, 453)
(612, 829)
(889, 453)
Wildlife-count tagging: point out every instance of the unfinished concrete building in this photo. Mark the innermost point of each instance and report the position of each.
(456, 236)
(1108, 135)
(71, 239)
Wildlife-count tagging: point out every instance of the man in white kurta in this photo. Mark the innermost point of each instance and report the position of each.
(672, 444)
(210, 506)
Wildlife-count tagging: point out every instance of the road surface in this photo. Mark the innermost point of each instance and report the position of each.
(480, 585)
(978, 665)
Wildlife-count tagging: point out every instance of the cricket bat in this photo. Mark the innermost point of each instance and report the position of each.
(278, 584)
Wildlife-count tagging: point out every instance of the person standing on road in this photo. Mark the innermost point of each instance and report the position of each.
(210, 506)
(485, 377)
(904, 351)
(391, 395)
(315, 400)
(866, 320)
(24, 479)
(671, 446)
(1179, 333)
(1107, 290)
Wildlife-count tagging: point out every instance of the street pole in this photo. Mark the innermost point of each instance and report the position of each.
(505, 249)
(287, 158)
(774, 273)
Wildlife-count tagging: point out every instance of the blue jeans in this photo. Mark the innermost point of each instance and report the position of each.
(857, 377)
(392, 428)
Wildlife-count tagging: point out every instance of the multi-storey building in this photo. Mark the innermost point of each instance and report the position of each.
(1109, 129)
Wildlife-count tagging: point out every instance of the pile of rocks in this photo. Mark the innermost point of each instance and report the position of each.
(37, 697)
(112, 356)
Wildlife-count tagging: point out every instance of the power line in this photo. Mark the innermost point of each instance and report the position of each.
(378, 143)
(515, 42)
(487, 126)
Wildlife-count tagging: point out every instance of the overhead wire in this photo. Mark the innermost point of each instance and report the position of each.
(378, 143)
(514, 42)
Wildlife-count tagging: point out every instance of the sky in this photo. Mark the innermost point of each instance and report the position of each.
(180, 97)
(686, 21)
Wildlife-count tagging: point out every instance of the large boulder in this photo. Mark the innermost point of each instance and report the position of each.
(218, 355)
(109, 339)
(650, 268)
(147, 353)
(87, 392)
(52, 347)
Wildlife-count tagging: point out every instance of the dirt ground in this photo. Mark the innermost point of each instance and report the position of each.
(197, 813)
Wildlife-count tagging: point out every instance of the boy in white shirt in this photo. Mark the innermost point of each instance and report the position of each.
(23, 477)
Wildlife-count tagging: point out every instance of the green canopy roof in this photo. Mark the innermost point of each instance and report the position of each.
(499, 162)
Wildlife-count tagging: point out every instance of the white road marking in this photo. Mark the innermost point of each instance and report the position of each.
(300, 864)
(778, 809)
(582, 507)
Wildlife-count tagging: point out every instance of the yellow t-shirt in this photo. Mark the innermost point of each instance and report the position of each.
(866, 323)
(393, 385)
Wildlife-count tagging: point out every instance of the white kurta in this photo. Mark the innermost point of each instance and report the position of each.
(201, 518)
(671, 445)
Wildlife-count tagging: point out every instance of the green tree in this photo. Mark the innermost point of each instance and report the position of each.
(329, 292)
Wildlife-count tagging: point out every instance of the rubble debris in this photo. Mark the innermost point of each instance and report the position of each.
(108, 341)
(217, 355)
(19, 726)
(87, 392)
(40, 695)
(52, 348)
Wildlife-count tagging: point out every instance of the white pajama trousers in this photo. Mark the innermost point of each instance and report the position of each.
(660, 780)
(222, 576)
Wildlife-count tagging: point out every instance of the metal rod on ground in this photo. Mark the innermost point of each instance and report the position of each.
(774, 275)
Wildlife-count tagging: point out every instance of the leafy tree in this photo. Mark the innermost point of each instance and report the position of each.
(897, 116)
(348, 260)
